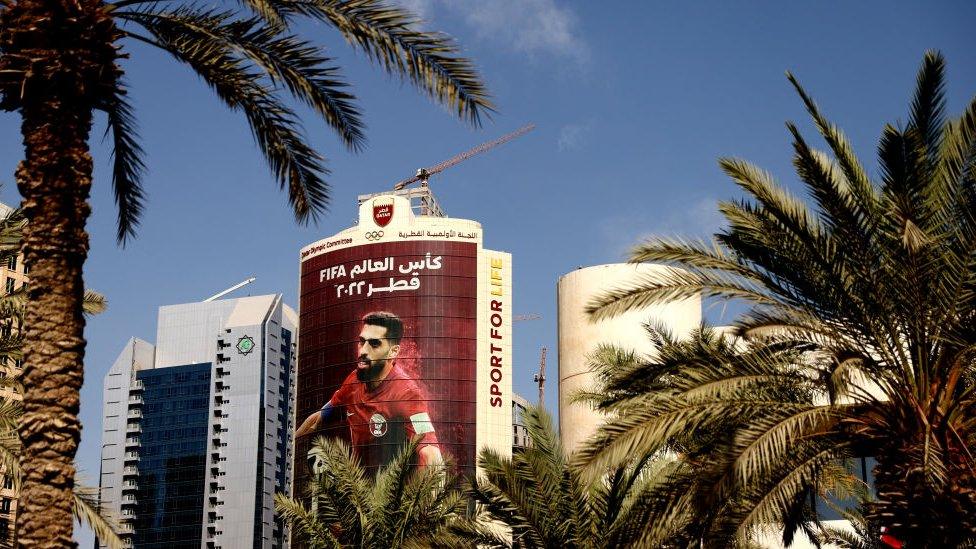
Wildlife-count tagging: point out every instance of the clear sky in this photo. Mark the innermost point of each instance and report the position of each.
(634, 103)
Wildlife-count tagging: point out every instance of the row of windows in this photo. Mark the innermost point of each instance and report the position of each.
(173, 391)
(11, 285)
(175, 405)
(151, 437)
(184, 447)
(168, 420)
(18, 363)
(12, 264)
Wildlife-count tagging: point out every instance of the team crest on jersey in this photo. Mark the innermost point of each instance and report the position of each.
(377, 425)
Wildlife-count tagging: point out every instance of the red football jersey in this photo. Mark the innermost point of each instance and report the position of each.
(382, 421)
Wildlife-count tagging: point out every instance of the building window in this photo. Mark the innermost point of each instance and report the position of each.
(5, 505)
(10, 285)
(8, 482)
(12, 263)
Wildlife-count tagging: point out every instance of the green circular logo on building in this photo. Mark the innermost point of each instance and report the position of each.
(245, 345)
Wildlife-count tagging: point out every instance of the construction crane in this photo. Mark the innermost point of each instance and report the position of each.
(540, 378)
(423, 174)
(530, 316)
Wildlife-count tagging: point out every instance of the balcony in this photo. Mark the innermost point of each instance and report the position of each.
(125, 528)
(132, 441)
(134, 414)
(130, 470)
(130, 485)
(128, 499)
(137, 385)
(135, 399)
(133, 428)
(132, 456)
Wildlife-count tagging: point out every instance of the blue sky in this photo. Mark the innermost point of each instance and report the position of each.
(634, 103)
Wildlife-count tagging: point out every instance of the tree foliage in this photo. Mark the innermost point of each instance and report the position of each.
(399, 507)
(862, 306)
(252, 60)
(546, 502)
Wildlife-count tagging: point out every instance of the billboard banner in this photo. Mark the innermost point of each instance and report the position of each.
(388, 347)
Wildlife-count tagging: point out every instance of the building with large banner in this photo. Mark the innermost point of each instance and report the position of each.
(405, 331)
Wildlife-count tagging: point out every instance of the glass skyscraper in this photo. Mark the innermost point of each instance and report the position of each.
(197, 429)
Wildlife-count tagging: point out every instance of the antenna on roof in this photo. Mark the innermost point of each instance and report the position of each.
(231, 289)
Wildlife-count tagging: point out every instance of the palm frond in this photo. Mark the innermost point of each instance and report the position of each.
(673, 285)
(11, 234)
(283, 58)
(274, 126)
(94, 302)
(928, 104)
(310, 528)
(860, 185)
(89, 511)
(387, 35)
(127, 165)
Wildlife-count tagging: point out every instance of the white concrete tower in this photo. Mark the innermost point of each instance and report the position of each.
(578, 337)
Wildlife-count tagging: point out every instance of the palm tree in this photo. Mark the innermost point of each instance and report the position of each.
(400, 507)
(706, 495)
(869, 295)
(547, 503)
(61, 60)
(86, 505)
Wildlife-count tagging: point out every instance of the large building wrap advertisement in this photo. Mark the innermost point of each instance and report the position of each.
(388, 346)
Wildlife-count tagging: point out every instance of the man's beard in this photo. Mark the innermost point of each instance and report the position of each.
(371, 372)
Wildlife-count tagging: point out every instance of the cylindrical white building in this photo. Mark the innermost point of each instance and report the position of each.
(579, 337)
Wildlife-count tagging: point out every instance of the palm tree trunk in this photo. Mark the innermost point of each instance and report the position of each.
(54, 180)
(64, 52)
(917, 513)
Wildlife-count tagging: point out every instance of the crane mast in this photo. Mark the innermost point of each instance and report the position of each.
(540, 378)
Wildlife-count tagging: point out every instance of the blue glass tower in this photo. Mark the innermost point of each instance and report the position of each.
(172, 457)
(197, 430)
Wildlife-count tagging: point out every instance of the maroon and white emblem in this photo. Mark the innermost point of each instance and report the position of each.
(382, 213)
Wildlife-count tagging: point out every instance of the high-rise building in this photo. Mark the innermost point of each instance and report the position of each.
(520, 435)
(406, 332)
(197, 430)
(13, 276)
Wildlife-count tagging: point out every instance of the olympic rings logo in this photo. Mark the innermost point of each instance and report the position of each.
(374, 235)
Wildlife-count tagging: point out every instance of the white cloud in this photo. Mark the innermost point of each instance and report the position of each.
(700, 219)
(423, 9)
(572, 137)
(527, 26)
(531, 27)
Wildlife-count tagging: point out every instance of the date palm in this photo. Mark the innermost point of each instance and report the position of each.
(706, 495)
(399, 507)
(86, 506)
(61, 60)
(873, 287)
(548, 503)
